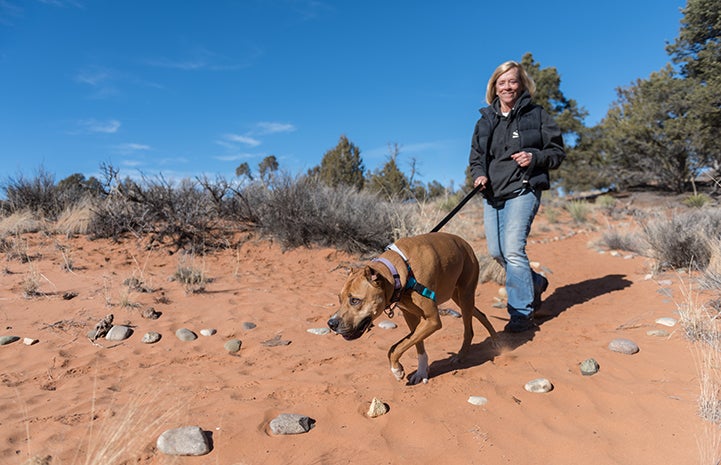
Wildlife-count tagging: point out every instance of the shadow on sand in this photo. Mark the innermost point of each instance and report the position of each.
(563, 299)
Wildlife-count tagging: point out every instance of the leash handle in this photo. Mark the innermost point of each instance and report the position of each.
(457, 208)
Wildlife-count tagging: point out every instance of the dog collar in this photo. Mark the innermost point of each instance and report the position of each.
(397, 286)
(411, 283)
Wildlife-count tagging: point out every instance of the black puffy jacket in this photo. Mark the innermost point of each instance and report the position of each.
(527, 128)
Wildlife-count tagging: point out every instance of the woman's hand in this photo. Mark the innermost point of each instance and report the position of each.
(482, 180)
(523, 158)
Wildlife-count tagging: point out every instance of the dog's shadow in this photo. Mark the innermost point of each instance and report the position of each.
(563, 299)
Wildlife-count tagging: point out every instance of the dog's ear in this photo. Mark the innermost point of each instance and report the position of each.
(373, 276)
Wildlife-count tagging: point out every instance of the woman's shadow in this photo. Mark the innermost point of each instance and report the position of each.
(563, 299)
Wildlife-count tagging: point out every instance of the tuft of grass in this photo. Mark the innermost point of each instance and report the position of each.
(193, 279)
(75, 220)
(579, 211)
(31, 284)
(696, 200)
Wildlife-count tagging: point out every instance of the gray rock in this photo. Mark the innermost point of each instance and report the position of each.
(150, 313)
(318, 331)
(657, 333)
(233, 345)
(667, 321)
(248, 326)
(151, 337)
(184, 334)
(540, 385)
(387, 324)
(119, 333)
(477, 400)
(589, 367)
(208, 331)
(291, 423)
(5, 340)
(449, 312)
(187, 440)
(275, 341)
(623, 346)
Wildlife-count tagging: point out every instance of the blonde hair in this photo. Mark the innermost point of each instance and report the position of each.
(526, 81)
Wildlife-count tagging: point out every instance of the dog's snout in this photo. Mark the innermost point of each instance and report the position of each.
(333, 324)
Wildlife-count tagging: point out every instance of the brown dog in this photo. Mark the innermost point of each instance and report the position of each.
(429, 269)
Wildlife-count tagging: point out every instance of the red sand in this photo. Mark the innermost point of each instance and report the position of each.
(639, 409)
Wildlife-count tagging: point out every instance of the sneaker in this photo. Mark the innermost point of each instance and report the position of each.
(537, 291)
(519, 324)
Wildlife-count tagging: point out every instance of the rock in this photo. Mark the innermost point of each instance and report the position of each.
(39, 460)
(387, 324)
(102, 327)
(449, 312)
(275, 341)
(377, 408)
(665, 282)
(502, 292)
(69, 295)
(28, 341)
(623, 346)
(589, 367)
(119, 333)
(187, 440)
(291, 423)
(150, 337)
(477, 400)
(248, 326)
(184, 334)
(233, 345)
(150, 313)
(208, 332)
(318, 331)
(540, 385)
(657, 333)
(5, 340)
(666, 321)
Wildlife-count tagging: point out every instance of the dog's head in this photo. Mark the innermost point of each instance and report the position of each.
(363, 298)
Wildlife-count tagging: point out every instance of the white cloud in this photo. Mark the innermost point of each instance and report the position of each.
(95, 126)
(130, 148)
(273, 128)
(246, 140)
(235, 157)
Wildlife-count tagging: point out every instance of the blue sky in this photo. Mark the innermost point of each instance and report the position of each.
(192, 87)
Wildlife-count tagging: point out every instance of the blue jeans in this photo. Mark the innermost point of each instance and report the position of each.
(507, 226)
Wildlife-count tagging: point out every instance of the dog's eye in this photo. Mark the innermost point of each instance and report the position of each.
(354, 301)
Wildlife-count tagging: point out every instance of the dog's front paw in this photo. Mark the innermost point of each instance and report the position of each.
(399, 373)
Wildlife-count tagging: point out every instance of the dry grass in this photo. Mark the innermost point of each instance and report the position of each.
(20, 223)
(120, 433)
(702, 328)
(194, 279)
(75, 220)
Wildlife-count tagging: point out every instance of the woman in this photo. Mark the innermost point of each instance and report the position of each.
(515, 143)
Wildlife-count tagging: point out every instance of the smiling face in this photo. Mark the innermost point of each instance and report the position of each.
(362, 299)
(508, 88)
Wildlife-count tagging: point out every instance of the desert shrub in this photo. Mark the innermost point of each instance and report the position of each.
(301, 211)
(36, 194)
(683, 240)
(613, 239)
(182, 215)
